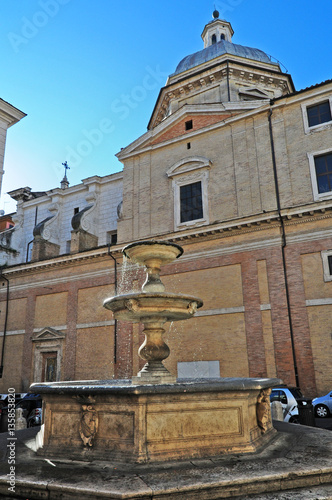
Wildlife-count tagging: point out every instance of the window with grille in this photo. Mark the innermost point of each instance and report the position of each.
(190, 181)
(323, 167)
(317, 116)
(191, 203)
(319, 113)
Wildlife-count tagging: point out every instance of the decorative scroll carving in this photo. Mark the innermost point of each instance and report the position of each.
(47, 228)
(88, 425)
(263, 410)
(119, 210)
(79, 220)
(192, 307)
(132, 305)
(42, 230)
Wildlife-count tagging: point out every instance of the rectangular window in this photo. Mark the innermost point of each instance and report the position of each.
(189, 125)
(319, 113)
(323, 167)
(191, 202)
(112, 238)
(327, 264)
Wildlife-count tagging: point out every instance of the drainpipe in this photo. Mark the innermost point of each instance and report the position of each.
(28, 246)
(2, 277)
(284, 243)
(116, 292)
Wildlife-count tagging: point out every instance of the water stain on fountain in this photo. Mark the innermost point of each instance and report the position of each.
(155, 417)
(153, 307)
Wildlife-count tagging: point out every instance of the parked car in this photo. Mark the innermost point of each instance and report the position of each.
(288, 397)
(323, 405)
(4, 398)
(32, 411)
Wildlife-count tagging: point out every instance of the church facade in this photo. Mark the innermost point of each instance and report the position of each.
(236, 167)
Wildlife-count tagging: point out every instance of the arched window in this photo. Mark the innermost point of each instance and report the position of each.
(214, 39)
(222, 37)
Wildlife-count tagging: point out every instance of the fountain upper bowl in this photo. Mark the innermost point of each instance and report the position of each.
(152, 252)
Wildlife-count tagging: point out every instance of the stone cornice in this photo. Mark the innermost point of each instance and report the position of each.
(251, 224)
(222, 60)
(96, 179)
(194, 84)
(298, 215)
(9, 113)
(304, 94)
(83, 187)
(61, 261)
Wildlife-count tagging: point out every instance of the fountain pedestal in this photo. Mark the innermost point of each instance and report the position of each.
(121, 422)
(153, 307)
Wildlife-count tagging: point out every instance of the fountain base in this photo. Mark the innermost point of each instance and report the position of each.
(154, 372)
(119, 421)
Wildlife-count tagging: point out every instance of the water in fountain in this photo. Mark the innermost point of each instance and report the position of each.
(153, 307)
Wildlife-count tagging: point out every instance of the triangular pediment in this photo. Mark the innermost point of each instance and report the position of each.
(48, 333)
(199, 121)
(254, 93)
(174, 126)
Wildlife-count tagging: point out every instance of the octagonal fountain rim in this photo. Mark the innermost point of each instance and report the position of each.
(127, 386)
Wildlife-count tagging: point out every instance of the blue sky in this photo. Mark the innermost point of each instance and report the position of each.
(88, 72)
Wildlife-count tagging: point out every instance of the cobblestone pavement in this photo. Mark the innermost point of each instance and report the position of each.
(296, 465)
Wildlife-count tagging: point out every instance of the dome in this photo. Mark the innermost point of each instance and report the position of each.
(217, 50)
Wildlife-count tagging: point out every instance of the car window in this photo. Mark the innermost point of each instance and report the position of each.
(23, 404)
(283, 397)
(274, 396)
(296, 392)
(277, 395)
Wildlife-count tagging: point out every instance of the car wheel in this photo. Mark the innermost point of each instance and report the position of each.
(294, 420)
(321, 411)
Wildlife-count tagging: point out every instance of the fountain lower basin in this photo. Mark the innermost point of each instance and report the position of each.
(118, 421)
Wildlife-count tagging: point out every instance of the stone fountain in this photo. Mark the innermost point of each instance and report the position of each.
(153, 307)
(216, 435)
(154, 417)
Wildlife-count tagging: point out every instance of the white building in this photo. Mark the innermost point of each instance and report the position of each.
(62, 220)
(8, 117)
